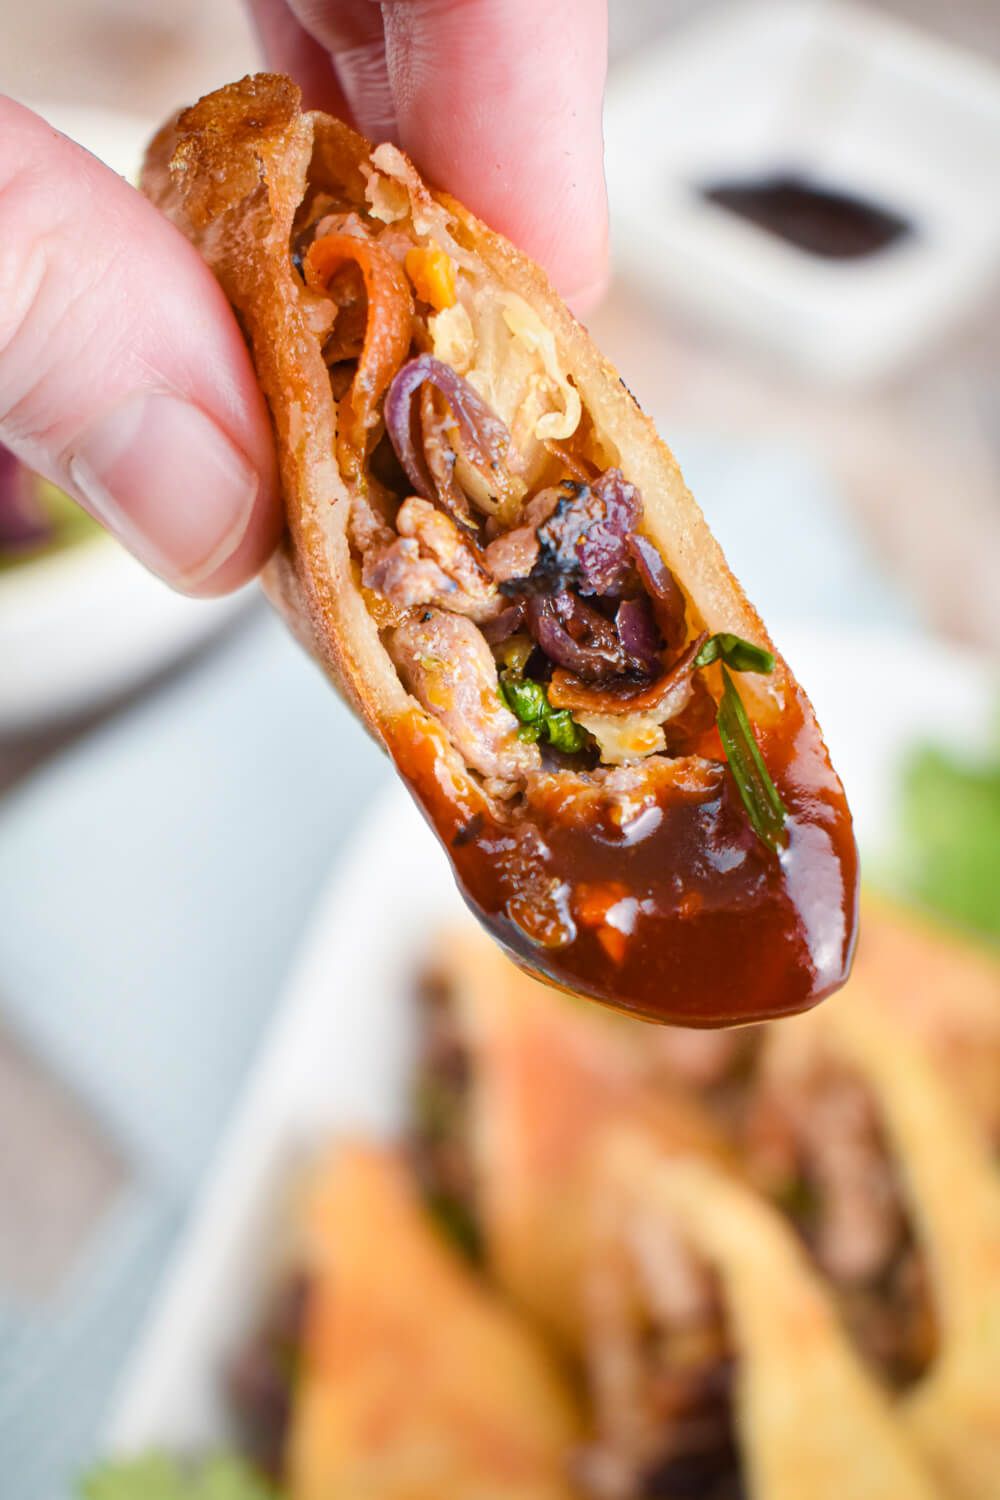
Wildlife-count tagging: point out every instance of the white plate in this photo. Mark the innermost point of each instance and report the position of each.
(83, 625)
(338, 1056)
(848, 99)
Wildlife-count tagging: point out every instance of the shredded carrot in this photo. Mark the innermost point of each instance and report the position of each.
(613, 942)
(592, 903)
(433, 275)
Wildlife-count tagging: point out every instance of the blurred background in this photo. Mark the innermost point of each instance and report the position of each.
(173, 795)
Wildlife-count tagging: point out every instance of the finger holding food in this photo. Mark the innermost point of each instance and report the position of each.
(163, 438)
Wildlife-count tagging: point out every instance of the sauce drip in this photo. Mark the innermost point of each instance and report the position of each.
(676, 912)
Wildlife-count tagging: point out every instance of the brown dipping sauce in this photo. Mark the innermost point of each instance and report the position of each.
(705, 925)
(822, 221)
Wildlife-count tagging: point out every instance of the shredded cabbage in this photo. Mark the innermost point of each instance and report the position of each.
(453, 340)
(526, 326)
(624, 738)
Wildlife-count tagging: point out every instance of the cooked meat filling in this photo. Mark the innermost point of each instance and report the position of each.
(504, 572)
(662, 1381)
(501, 512)
(445, 662)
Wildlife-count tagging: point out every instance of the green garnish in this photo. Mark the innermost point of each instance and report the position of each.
(741, 655)
(758, 792)
(526, 700)
(529, 703)
(948, 857)
(157, 1477)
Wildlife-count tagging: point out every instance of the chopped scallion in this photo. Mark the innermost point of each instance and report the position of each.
(741, 655)
(758, 792)
(529, 703)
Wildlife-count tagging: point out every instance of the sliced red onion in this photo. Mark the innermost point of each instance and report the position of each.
(23, 522)
(576, 637)
(484, 437)
(667, 696)
(638, 635)
(660, 583)
(505, 624)
(583, 544)
(603, 550)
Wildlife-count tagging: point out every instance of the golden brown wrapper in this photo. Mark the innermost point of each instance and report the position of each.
(940, 987)
(919, 1021)
(813, 1422)
(952, 1182)
(550, 1077)
(416, 1382)
(232, 173)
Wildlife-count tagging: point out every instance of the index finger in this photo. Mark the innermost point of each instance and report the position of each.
(500, 102)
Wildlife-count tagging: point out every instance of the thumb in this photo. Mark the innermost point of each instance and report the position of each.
(123, 375)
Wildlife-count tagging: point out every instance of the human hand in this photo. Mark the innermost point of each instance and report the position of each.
(123, 374)
(499, 101)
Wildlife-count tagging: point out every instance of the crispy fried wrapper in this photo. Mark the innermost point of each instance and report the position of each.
(940, 988)
(953, 1185)
(550, 1083)
(813, 1423)
(549, 1077)
(417, 1383)
(231, 172)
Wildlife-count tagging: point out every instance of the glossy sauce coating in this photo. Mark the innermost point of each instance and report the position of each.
(678, 913)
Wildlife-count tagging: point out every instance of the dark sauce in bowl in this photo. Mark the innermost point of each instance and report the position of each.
(822, 221)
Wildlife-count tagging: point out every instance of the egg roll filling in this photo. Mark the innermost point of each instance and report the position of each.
(520, 601)
(502, 552)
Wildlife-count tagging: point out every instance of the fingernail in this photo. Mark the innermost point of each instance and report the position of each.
(169, 483)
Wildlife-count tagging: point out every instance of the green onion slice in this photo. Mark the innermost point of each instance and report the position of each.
(758, 792)
(741, 655)
(529, 703)
(563, 731)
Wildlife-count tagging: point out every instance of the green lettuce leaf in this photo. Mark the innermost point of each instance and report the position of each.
(156, 1477)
